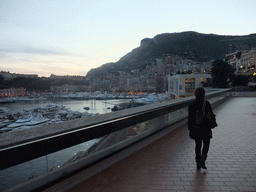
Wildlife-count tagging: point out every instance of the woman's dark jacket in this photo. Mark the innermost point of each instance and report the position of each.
(204, 132)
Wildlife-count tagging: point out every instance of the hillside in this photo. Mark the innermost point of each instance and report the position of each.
(191, 45)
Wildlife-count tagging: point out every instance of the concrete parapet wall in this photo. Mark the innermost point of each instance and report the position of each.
(243, 94)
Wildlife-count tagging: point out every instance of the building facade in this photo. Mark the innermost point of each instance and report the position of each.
(248, 62)
(243, 61)
(184, 85)
(12, 92)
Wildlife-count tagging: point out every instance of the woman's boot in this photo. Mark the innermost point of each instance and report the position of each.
(198, 164)
(202, 161)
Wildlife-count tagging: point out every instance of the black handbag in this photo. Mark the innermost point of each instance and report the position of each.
(208, 120)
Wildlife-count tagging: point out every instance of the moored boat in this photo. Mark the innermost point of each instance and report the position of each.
(116, 108)
(3, 101)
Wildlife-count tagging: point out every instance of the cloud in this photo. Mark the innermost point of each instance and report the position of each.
(43, 69)
(31, 50)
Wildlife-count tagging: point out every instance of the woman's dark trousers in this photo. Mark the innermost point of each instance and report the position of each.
(206, 145)
(201, 157)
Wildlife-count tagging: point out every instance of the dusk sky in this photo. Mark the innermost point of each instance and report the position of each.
(65, 37)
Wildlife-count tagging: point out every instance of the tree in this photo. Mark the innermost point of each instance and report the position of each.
(240, 80)
(1, 82)
(222, 73)
(204, 84)
(30, 84)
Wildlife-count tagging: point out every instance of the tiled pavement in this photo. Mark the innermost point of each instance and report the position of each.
(168, 163)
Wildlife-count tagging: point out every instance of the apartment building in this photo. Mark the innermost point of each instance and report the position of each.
(248, 62)
(184, 85)
(243, 61)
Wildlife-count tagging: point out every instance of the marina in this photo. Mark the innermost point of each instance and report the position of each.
(27, 112)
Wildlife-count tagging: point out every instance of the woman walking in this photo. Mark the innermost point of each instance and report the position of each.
(201, 134)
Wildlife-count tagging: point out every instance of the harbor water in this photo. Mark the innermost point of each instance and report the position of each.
(95, 106)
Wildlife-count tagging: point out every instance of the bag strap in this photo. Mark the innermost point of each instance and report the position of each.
(203, 107)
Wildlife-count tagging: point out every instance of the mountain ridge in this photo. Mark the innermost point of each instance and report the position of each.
(189, 45)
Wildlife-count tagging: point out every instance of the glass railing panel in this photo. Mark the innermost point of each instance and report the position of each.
(140, 130)
(60, 158)
(39, 167)
(22, 173)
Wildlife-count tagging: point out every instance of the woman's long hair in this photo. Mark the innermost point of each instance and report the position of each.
(200, 93)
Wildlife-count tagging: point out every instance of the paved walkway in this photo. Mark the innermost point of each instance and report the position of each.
(168, 164)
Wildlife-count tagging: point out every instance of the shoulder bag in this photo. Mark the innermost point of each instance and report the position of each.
(208, 120)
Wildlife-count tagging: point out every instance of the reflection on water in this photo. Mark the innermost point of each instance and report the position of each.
(95, 106)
